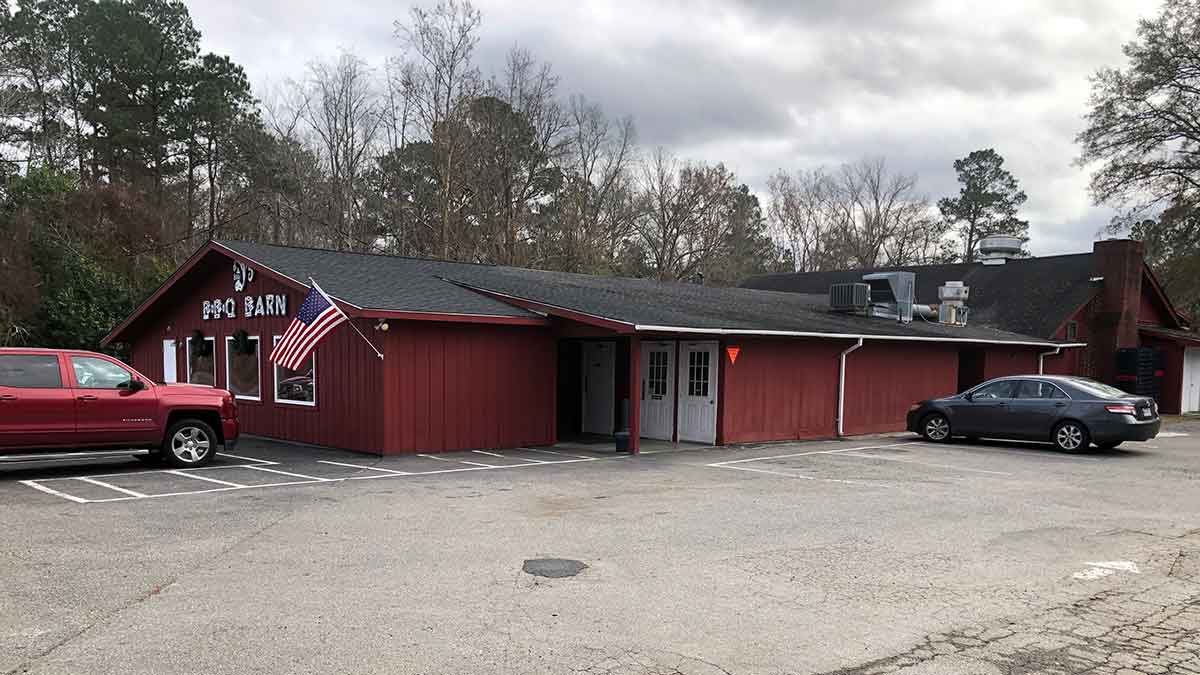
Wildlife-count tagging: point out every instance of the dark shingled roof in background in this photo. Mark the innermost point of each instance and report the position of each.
(418, 285)
(1032, 296)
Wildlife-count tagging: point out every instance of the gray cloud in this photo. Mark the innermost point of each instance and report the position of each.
(769, 84)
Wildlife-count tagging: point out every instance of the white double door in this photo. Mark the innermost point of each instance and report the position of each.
(693, 402)
(1191, 380)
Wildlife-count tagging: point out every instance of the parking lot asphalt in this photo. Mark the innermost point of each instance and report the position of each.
(861, 556)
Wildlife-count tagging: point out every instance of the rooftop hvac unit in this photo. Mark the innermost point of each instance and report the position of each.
(954, 291)
(853, 297)
(892, 294)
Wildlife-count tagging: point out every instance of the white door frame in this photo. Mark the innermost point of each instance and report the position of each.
(714, 368)
(1191, 360)
(169, 346)
(668, 401)
(583, 386)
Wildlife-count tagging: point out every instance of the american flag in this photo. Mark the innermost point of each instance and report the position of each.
(318, 315)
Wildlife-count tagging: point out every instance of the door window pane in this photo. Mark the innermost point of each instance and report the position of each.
(202, 361)
(243, 368)
(297, 387)
(657, 376)
(698, 373)
(30, 371)
(93, 373)
(1036, 389)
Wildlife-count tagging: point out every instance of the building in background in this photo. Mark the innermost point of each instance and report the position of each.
(1108, 298)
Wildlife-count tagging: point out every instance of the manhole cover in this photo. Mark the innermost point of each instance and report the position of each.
(554, 568)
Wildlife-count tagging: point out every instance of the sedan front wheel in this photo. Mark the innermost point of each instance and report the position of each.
(1071, 436)
(936, 428)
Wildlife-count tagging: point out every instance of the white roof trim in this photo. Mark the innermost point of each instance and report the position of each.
(849, 336)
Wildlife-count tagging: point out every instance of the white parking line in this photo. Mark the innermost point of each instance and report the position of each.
(913, 461)
(110, 486)
(459, 461)
(289, 473)
(364, 466)
(38, 486)
(199, 477)
(228, 486)
(519, 459)
(560, 454)
(797, 475)
(805, 454)
(248, 459)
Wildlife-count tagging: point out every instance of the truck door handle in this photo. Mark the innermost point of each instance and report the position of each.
(87, 397)
(8, 397)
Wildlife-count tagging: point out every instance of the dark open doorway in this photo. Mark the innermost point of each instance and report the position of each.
(970, 367)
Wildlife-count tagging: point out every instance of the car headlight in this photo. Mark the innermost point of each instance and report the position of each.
(913, 407)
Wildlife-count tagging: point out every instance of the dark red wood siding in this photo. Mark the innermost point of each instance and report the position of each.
(349, 410)
(787, 389)
(884, 378)
(461, 386)
(1002, 361)
(779, 389)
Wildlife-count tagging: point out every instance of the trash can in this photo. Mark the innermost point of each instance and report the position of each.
(622, 438)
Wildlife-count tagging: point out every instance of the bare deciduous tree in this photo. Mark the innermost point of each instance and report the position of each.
(685, 214)
(343, 111)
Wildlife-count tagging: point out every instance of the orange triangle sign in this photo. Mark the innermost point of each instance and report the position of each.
(733, 353)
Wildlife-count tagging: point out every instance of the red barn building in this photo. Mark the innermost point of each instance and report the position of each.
(479, 357)
(1108, 298)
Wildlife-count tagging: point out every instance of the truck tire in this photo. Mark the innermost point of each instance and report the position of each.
(189, 443)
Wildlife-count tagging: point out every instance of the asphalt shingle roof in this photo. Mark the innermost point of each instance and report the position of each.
(1032, 296)
(409, 284)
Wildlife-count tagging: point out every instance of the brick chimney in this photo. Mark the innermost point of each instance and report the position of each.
(1120, 262)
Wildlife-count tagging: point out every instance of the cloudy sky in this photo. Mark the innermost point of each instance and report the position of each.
(767, 84)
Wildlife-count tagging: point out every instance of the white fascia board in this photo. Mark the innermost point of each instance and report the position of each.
(848, 336)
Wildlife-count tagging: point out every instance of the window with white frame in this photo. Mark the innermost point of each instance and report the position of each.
(202, 361)
(243, 367)
(297, 387)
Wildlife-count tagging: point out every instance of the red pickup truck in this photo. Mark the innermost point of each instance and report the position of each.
(57, 404)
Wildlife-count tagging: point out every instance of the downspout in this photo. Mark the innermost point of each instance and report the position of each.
(1042, 359)
(841, 407)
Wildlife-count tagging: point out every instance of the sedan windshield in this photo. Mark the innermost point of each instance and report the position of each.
(1099, 389)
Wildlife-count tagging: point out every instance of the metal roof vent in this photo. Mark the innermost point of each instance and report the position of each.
(892, 295)
(999, 248)
(953, 309)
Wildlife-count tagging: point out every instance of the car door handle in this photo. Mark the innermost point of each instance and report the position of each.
(87, 397)
(1060, 405)
(8, 397)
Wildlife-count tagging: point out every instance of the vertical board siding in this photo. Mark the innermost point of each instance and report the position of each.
(451, 386)
(779, 389)
(787, 389)
(349, 409)
(1003, 361)
(883, 379)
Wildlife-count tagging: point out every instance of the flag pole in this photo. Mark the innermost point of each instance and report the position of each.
(348, 319)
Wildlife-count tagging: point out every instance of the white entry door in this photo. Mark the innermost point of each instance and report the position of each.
(599, 387)
(170, 369)
(1191, 380)
(698, 392)
(658, 390)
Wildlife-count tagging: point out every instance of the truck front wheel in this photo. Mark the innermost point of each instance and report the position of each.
(189, 443)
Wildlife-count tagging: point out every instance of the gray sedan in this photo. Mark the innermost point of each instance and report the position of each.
(1070, 412)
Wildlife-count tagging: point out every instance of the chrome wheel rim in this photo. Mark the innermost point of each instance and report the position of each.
(937, 428)
(1069, 437)
(190, 444)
